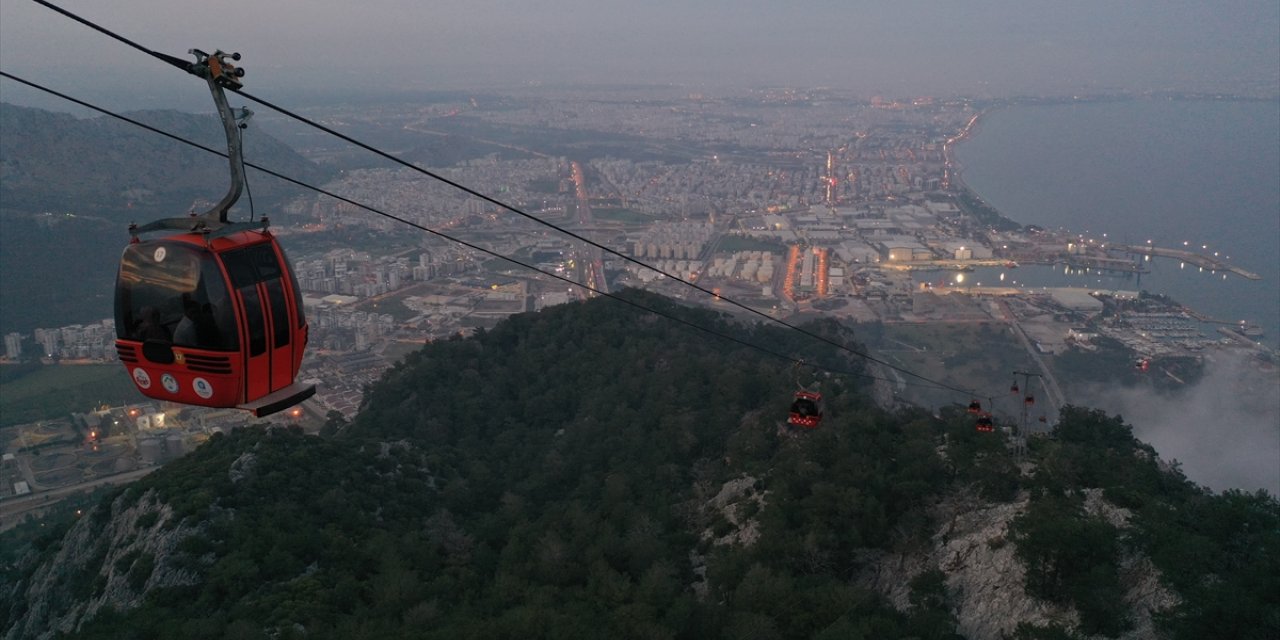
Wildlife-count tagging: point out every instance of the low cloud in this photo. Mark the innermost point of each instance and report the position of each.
(1224, 431)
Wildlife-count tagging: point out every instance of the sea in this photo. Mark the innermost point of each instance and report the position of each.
(1199, 175)
(1196, 175)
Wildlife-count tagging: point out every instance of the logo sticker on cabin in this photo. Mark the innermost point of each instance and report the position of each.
(202, 388)
(159, 254)
(170, 383)
(141, 377)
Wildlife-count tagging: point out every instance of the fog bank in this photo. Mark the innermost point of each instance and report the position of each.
(1224, 431)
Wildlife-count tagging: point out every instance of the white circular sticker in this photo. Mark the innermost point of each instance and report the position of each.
(170, 383)
(202, 388)
(159, 254)
(141, 377)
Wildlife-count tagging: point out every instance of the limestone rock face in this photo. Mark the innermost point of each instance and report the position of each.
(985, 579)
(984, 576)
(107, 559)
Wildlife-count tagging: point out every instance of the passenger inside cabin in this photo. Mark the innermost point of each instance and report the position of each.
(197, 327)
(150, 326)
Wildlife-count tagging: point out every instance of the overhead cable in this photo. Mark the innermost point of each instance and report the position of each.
(450, 238)
(171, 60)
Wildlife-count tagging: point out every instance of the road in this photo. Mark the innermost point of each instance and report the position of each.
(1056, 397)
(588, 259)
(14, 510)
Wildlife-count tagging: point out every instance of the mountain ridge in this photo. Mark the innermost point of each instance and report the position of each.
(590, 471)
(68, 183)
(52, 161)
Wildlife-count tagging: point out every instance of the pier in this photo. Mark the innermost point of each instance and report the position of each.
(1198, 259)
(1105, 264)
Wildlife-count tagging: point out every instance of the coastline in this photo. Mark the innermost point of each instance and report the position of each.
(954, 177)
(961, 190)
(967, 198)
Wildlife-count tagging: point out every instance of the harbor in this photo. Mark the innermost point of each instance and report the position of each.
(1201, 260)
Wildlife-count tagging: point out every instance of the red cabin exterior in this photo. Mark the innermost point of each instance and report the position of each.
(984, 424)
(212, 321)
(806, 410)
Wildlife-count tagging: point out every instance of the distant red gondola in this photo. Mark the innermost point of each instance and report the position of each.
(984, 424)
(212, 315)
(975, 407)
(806, 410)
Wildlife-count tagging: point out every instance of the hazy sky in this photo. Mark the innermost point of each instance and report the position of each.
(898, 49)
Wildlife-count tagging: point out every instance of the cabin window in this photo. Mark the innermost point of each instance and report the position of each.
(173, 292)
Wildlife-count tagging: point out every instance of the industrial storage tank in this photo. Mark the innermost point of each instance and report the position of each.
(175, 446)
(151, 450)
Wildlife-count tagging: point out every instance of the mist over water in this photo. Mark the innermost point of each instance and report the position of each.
(1225, 430)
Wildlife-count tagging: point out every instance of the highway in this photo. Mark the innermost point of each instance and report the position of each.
(589, 262)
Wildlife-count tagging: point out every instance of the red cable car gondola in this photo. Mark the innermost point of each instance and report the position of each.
(984, 424)
(975, 407)
(806, 410)
(212, 315)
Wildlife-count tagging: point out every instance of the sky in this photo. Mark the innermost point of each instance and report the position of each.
(987, 48)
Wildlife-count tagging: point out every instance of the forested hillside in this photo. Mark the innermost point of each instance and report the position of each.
(593, 472)
(69, 187)
(106, 167)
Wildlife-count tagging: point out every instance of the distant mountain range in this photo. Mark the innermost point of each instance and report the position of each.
(103, 166)
(58, 268)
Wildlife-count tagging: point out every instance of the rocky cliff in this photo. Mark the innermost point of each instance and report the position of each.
(117, 553)
(986, 580)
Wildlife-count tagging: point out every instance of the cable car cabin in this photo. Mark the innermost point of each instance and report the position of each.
(975, 407)
(214, 321)
(984, 424)
(806, 410)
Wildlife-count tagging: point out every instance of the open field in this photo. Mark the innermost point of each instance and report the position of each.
(397, 350)
(56, 390)
(742, 243)
(967, 356)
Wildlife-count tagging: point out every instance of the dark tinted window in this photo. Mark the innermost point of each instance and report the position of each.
(253, 314)
(297, 291)
(279, 312)
(251, 265)
(173, 292)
